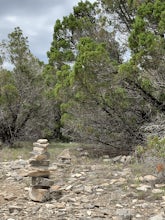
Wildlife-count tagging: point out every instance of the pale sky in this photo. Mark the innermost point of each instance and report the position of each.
(36, 18)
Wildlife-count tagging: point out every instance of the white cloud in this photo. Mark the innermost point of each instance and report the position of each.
(36, 18)
(11, 19)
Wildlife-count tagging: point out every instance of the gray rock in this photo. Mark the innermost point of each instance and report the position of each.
(39, 195)
(43, 163)
(45, 146)
(41, 181)
(116, 159)
(160, 216)
(42, 141)
(125, 214)
(14, 208)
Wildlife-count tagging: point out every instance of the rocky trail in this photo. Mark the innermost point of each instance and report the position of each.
(86, 188)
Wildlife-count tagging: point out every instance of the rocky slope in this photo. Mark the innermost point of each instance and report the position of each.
(105, 188)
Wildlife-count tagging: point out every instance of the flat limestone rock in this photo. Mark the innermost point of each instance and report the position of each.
(36, 144)
(42, 141)
(41, 181)
(35, 173)
(39, 195)
(38, 163)
(55, 188)
(40, 157)
(149, 178)
(39, 150)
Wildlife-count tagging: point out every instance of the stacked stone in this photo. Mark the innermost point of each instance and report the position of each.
(64, 157)
(39, 172)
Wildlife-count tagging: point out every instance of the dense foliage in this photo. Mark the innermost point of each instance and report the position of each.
(94, 90)
(23, 109)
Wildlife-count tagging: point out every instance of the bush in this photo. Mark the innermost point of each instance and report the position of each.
(157, 145)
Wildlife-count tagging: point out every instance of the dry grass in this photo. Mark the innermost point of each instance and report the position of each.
(21, 150)
(9, 154)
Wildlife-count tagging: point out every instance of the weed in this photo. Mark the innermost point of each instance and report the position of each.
(8, 154)
(142, 195)
(155, 196)
(157, 145)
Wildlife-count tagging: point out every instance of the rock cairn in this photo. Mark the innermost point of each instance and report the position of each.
(38, 170)
(64, 157)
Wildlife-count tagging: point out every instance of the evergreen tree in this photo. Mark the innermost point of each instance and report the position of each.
(63, 52)
(20, 90)
(147, 43)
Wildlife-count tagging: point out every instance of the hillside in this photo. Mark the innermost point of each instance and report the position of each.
(105, 188)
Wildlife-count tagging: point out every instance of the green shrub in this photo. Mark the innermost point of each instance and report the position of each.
(158, 146)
